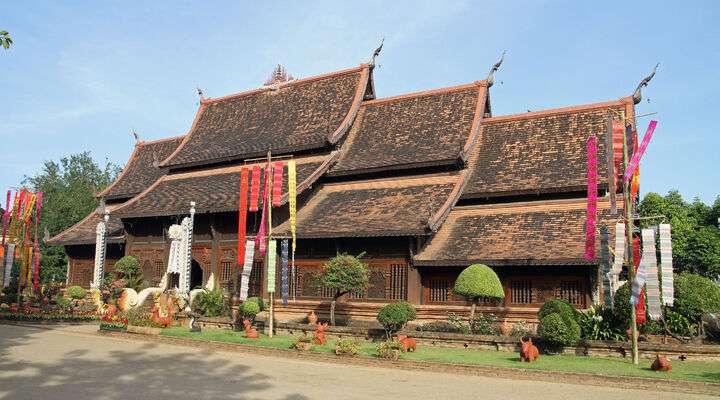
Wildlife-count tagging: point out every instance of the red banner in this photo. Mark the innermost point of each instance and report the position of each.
(255, 189)
(242, 216)
(277, 184)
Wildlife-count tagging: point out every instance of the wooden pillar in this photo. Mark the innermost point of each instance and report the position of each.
(214, 251)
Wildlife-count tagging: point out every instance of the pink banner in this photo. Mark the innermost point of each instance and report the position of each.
(592, 176)
(635, 160)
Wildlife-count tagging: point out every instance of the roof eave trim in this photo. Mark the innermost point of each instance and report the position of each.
(354, 107)
(310, 180)
(477, 119)
(436, 220)
(167, 162)
(556, 111)
(395, 167)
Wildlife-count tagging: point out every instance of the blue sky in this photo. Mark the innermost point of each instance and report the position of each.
(83, 75)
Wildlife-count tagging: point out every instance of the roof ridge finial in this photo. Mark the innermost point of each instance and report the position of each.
(491, 75)
(278, 75)
(637, 95)
(136, 136)
(200, 93)
(376, 52)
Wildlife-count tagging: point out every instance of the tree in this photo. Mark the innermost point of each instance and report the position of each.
(344, 273)
(478, 281)
(128, 269)
(5, 39)
(69, 188)
(394, 316)
(695, 235)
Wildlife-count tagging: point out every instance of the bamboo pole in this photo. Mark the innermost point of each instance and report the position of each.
(268, 206)
(629, 233)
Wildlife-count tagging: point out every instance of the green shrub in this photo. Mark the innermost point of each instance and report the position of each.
(394, 316)
(128, 269)
(599, 323)
(477, 281)
(390, 350)
(259, 302)
(346, 346)
(63, 303)
(212, 303)
(695, 295)
(621, 305)
(76, 292)
(559, 330)
(678, 324)
(559, 306)
(249, 309)
(137, 317)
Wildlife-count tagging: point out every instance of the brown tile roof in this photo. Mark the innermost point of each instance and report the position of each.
(84, 231)
(213, 190)
(539, 152)
(297, 115)
(142, 169)
(435, 127)
(373, 208)
(528, 233)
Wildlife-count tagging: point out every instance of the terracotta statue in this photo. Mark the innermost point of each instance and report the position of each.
(408, 343)
(528, 351)
(319, 335)
(312, 318)
(250, 332)
(661, 364)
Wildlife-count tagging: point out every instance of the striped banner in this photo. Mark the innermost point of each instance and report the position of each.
(260, 239)
(605, 265)
(255, 188)
(9, 260)
(641, 272)
(591, 223)
(242, 217)
(637, 155)
(271, 260)
(292, 200)
(652, 284)
(668, 292)
(247, 269)
(277, 184)
(284, 281)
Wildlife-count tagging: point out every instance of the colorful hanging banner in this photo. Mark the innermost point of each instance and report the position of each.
(242, 217)
(36, 245)
(591, 222)
(260, 239)
(640, 312)
(5, 218)
(255, 188)
(652, 284)
(618, 140)
(637, 155)
(292, 201)
(284, 280)
(668, 293)
(247, 269)
(277, 184)
(610, 160)
(9, 260)
(271, 260)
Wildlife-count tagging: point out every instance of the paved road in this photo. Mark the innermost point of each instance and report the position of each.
(74, 363)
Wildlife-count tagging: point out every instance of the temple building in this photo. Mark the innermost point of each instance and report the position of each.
(424, 184)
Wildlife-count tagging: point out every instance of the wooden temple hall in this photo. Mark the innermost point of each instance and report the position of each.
(424, 183)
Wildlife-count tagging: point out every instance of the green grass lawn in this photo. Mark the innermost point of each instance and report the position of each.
(683, 370)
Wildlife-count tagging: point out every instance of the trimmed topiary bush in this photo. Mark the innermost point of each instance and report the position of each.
(558, 306)
(344, 273)
(559, 330)
(478, 281)
(128, 269)
(257, 300)
(394, 316)
(76, 292)
(250, 310)
(695, 295)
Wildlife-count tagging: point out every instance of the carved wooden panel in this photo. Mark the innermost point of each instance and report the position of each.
(152, 263)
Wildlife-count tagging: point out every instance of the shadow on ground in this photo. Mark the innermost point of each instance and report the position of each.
(144, 372)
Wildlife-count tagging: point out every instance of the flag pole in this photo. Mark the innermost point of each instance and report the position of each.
(630, 255)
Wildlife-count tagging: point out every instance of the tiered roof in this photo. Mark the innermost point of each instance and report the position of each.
(212, 190)
(142, 169)
(539, 152)
(380, 207)
(431, 128)
(529, 233)
(285, 117)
